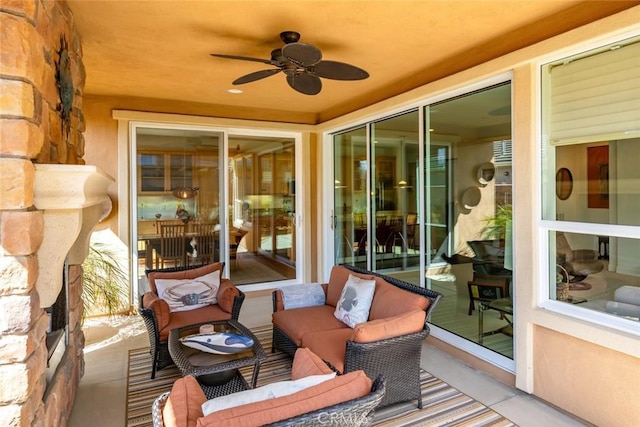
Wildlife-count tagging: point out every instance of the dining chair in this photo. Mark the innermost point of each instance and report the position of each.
(172, 245)
(207, 240)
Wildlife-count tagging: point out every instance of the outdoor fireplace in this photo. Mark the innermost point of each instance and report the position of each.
(73, 199)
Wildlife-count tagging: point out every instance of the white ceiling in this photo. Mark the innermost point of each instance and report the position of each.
(160, 50)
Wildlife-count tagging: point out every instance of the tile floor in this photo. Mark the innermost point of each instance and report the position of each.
(101, 398)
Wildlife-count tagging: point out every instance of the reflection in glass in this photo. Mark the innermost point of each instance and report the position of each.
(468, 204)
(166, 160)
(581, 273)
(262, 236)
(393, 193)
(350, 197)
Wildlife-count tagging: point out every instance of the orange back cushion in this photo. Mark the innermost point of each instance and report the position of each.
(389, 301)
(337, 280)
(184, 274)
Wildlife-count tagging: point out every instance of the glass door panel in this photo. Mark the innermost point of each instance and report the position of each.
(394, 195)
(178, 176)
(262, 233)
(351, 220)
(468, 204)
(438, 179)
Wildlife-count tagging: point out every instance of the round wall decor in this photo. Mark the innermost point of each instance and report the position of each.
(564, 183)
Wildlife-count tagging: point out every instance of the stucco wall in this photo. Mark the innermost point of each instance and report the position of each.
(598, 384)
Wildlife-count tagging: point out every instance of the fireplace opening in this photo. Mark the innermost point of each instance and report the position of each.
(57, 332)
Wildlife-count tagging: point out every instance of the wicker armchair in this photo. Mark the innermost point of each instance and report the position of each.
(397, 358)
(356, 412)
(158, 333)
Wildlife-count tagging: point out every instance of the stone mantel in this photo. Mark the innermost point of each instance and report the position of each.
(74, 199)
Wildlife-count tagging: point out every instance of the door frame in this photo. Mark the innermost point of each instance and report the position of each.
(129, 121)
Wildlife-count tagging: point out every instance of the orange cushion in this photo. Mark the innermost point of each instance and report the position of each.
(183, 274)
(339, 389)
(296, 322)
(201, 315)
(184, 405)
(337, 280)
(306, 363)
(389, 301)
(227, 294)
(402, 324)
(159, 307)
(329, 345)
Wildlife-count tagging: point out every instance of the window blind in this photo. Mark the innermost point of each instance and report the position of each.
(596, 98)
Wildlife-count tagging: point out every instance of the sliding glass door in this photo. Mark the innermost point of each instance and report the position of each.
(425, 196)
(199, 200)
(375, 209)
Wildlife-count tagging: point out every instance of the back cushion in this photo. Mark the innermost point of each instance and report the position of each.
(337, 390)
(339, 276)
(389, 300)
(184, 274)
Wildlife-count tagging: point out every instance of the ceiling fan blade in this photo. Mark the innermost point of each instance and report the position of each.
(302, 54)
(335, 70)
(243, 58)
(305, 83)
(252, 77)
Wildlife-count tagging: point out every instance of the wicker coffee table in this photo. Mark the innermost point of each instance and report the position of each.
(218, 374)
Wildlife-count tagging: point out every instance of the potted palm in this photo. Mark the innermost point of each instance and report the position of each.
(105, 281)
(496, 225)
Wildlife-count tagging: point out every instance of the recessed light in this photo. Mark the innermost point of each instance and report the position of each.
(235, 91)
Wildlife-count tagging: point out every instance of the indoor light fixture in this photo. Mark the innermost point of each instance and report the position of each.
(184, 192)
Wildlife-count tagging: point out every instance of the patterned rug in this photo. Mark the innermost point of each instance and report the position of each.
(443, 405)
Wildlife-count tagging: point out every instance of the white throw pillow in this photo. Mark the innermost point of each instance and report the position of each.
(268, 391)
(355, 301)
(189, 294)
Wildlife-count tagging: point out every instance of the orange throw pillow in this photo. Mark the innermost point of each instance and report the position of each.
(306, 363)
(184, 405)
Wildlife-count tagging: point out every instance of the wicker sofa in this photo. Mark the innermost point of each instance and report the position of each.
(159, 320)
(342, 400)
(389, 343)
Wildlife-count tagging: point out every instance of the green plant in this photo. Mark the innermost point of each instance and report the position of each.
(496, 225)
(105, 282)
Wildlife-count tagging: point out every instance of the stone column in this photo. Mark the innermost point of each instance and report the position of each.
(31, 132)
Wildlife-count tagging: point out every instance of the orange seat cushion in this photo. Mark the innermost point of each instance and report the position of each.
(339, 389)
(297, 322)
(329, 345)
(183, 318)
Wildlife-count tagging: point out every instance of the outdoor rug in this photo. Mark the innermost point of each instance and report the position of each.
(443, 405)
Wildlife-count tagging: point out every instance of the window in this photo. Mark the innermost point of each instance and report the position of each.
(591, 182)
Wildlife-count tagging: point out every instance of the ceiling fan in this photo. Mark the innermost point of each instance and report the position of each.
(302, 64)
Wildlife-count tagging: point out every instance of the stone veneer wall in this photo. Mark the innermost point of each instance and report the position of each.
(31, 132)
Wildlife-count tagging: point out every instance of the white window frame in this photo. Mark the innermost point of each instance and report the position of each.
(545, 226)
